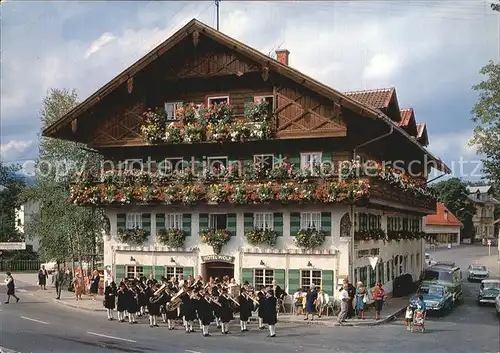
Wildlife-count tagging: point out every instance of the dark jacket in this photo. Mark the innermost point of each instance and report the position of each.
(270, 315)
(246, 308)
(109, 297)
(205, 311)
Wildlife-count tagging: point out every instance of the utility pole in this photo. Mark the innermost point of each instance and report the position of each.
(217, 6)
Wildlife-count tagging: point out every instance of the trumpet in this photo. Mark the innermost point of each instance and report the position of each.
(232, 299)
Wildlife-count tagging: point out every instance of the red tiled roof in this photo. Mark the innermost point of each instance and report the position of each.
(439, 218)
(420, 130)
(376, 98)
(405, 117)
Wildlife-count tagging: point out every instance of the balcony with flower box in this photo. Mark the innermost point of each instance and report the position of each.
(250, 184)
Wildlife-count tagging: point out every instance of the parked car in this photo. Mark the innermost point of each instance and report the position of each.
(477, 273)
(445, 274)
(488, 291)
(497, 305)
(437, 298)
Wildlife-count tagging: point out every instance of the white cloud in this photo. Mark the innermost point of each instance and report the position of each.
(99, 43)
(453, 144)
(381, 66)
(14, 149)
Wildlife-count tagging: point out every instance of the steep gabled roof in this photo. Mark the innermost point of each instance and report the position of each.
(376, 98)
(408, 122)
(422, 136)
(482, 189)
(442, 217)
(255, 55)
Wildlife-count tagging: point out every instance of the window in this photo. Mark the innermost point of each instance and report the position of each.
(134, 220)
(172, 164)
(264, 161)
(308, 277)
(173, 220)
(388, 270)
(171, 110)
(218, 100)
(417, 261)
(173, 272)
(263, 220)
(373, 277)
(217, 163)
(310, 220)
(363, 274)
(268, 99)
(309, 160)
(134, 272)
(380, 272)
(262, 278)
(19, 223)
(217, 221)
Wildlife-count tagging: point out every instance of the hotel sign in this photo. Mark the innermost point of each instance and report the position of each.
(217, 258)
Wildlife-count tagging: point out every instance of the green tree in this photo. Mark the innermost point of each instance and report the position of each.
(486, 115)
(453, 193)
(496, 6)
(65, 231)
(11, 186)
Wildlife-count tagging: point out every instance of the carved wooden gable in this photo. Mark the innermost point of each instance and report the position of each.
(212, 63)
(121, 125)
(299, 115)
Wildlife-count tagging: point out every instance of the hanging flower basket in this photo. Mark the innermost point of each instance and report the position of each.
(371, 234)
(262, 237)
(216, 238)
(309, 238)
(135, 236)
(173, 237)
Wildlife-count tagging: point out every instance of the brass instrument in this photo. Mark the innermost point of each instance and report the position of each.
(176, 301)
(195, 284)
(160, 290)
(252, 298)
(227, 296)
(216, 302)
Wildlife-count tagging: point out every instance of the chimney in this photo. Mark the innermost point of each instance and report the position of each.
(282, 56)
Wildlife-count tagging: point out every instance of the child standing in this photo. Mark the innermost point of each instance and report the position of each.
(408, 317)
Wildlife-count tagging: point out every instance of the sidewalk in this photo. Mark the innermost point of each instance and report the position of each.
(392, 308)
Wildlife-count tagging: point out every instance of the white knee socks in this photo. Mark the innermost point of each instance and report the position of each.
(131, 317)
(121, 315)
(223, 327)
(204, 329)
(110, 313)
(272, 330)
(189, 326)
(261, 322)
(169, 323)
(201, 325)
(243, 325)
(152, 320)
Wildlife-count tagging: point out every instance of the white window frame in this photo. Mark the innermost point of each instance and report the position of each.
(173, 220)
(267, 277)
(209, 159)
(217, 97)
(306, 220)
(305, 159)
(134, 271)
(177, 270)
(263, 220)
(133, 220)
(310, 278)
(175, 106)
(256, 157)
(210, 221)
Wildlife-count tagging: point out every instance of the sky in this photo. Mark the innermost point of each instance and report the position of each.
(430, 50)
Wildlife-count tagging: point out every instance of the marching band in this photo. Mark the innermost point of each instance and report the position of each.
(193, 301)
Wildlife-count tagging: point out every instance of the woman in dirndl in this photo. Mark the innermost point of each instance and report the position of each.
(360, 300)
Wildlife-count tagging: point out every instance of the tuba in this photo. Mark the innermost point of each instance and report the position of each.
(176, 301)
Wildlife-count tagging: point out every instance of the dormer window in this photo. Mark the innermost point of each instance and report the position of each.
(171, 110)
(445, 215)
(217, 100)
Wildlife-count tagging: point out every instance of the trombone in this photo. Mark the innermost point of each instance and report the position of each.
(227, 296)
(254, 299)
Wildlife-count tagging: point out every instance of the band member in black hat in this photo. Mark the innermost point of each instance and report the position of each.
(110, 299)
(170, 315)
(246, 308)
(270, 315)
(260, 312)
(188, 310)
(132, 303)
(226, 311)
(121, 303)
(153, 307)
(205, 312)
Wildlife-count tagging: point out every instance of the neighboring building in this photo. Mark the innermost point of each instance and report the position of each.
(23, 216)
(442, 228)
(270, 162)
(485, 203)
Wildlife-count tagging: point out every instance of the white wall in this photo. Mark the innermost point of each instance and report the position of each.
(23, 215)
(437, 229)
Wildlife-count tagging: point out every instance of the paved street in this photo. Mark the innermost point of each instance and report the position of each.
(36, 325)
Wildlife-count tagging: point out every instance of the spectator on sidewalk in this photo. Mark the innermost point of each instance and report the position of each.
(42, 278)
(78, 286)
(59, 281)
(378, 297)
(94, 286)
(361, 299)
(344, 303)
(311, 297)
(11, 288)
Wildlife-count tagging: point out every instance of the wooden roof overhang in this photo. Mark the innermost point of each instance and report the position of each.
(194, 26)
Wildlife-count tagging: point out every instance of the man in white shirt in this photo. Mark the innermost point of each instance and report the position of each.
(344, 304)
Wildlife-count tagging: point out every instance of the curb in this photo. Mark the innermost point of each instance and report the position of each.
(73, 306)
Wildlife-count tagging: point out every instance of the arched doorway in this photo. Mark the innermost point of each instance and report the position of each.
(217, 269)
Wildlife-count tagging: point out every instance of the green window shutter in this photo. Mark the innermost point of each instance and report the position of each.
(186, 223)
(293, 280)
(294, 223)
(160, 221)
(326, 157)
(231, 223)
(326, 223)
(203, 221)
(121, 221)
(278, 223)
(187, 271)
(146, 222)
(279, 275)
(248, 222)
(248, 101)
(327, 281)
(247, 275)
(295, 160)
(119, 273)
(159, 272)
(146, 270)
